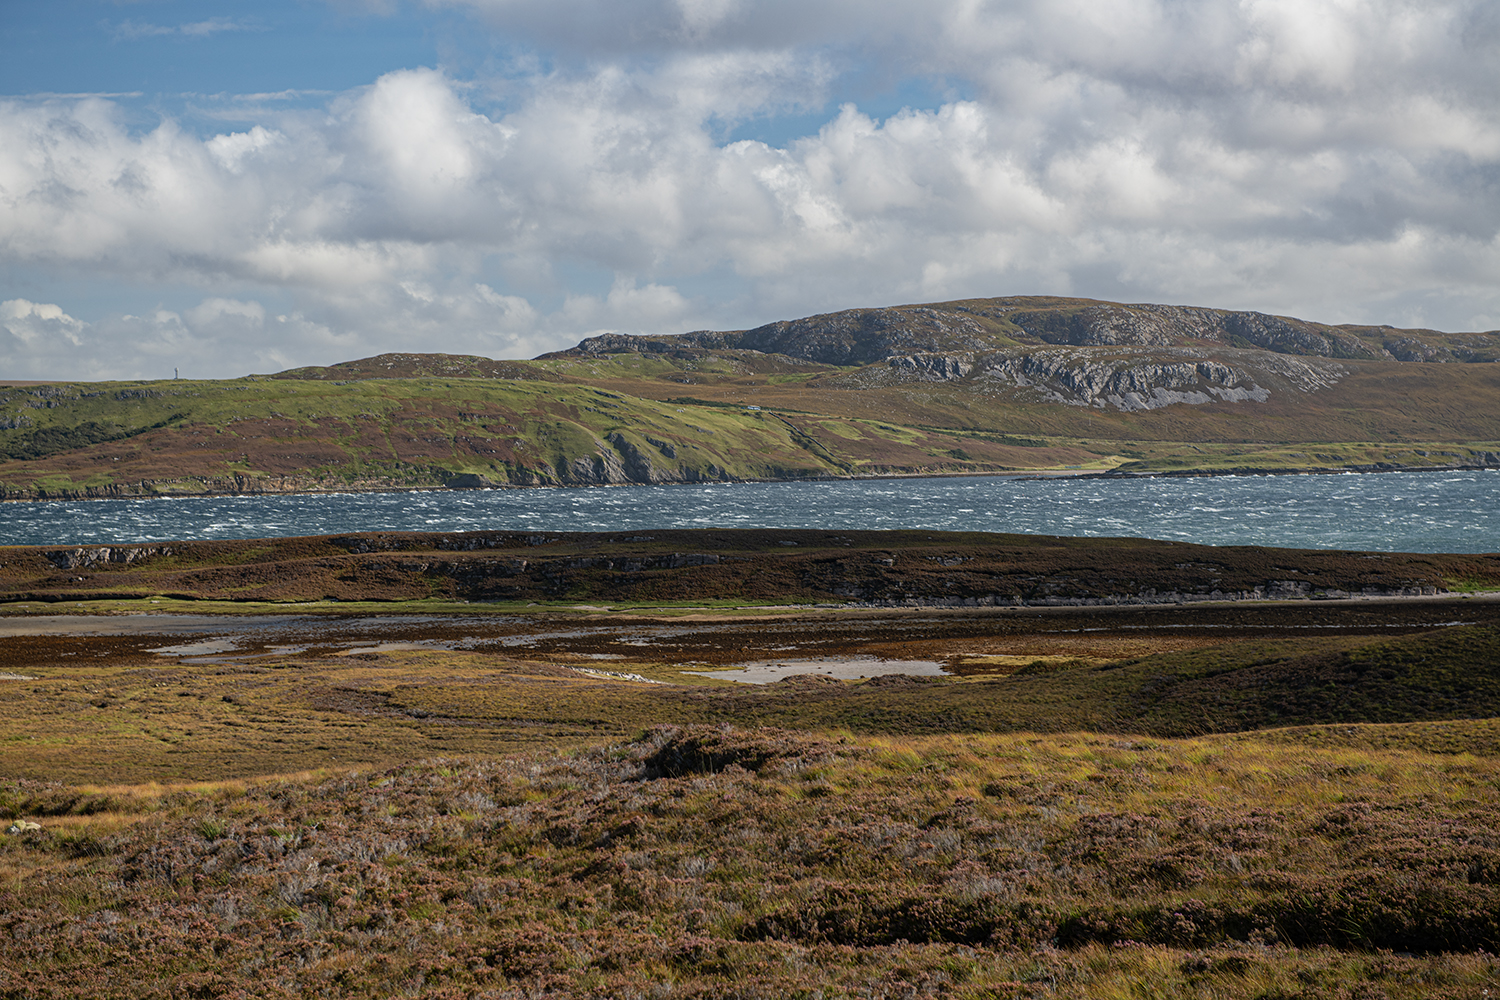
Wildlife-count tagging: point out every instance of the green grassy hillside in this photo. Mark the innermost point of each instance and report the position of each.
(256, 434)
(262, 435)
(970, 387)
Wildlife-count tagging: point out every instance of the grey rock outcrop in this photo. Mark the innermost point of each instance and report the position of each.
(866, 336)
(468, 481)
(852, 337)
(1108, 325)
(933, 367)
(1127, 382)
(667, 448)
(619, 460)
(599, 469)
(104, 555)
(636, 461)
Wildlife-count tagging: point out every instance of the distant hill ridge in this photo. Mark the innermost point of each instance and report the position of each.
(872, 335)
(418, 366)
(973, 387)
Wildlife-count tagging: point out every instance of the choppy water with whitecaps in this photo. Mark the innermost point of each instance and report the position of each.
(1395, 512)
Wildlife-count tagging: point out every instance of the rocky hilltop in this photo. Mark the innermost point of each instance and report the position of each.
(1077, 352)
(867, 336)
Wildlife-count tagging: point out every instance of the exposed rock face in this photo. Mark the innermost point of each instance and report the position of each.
(865, 336)
(1412, 349)
(1162, 326)
(599, 469)
(104, 556)
(667, 448)
(637, 462)
(852, 337)
(1125, 383)
(934, 367)
(619, 462)
(1151, 380)
(1307, 375)
(619, 343)
(468, 481)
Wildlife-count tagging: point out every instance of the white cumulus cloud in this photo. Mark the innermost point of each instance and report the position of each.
(1330, 158)
(33, 323)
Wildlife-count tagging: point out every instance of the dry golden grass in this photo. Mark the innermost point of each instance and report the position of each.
(713, 862)
(105, 709)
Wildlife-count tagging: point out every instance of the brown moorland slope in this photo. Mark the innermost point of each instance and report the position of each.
(175, 694)
(1090, 805)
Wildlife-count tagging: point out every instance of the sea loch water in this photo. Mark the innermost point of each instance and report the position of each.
(1394, 512)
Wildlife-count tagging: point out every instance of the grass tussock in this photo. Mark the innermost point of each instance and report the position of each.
(708, 862)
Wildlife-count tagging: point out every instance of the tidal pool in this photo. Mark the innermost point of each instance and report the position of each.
(843, 669)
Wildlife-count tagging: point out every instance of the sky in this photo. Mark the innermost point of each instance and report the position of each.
(218, 188)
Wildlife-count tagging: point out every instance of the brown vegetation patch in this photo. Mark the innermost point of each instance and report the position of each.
(763, 863)
(748, 566)
(711, 749)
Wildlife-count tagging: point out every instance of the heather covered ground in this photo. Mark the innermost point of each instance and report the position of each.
(713, 861)
(428, 798)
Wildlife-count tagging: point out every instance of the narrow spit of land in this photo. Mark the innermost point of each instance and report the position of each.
(728, 567)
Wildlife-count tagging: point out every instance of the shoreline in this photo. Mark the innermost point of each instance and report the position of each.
(1028, 474)
(182, 618)
(1350, 470)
